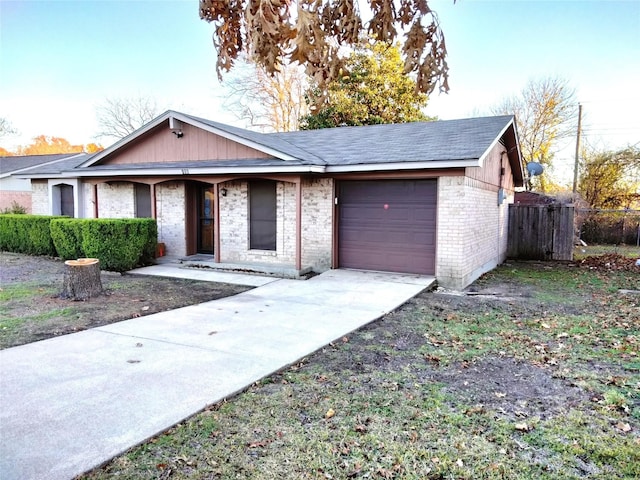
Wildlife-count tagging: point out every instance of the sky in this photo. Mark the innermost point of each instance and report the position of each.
(59, 60)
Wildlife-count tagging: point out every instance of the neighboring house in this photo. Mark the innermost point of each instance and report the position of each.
(426, 198)
(18, 190)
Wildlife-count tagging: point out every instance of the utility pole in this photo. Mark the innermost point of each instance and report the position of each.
(575, 166)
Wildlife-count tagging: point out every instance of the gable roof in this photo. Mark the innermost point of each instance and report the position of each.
(407, 146)
(258, 141)
(22, 163)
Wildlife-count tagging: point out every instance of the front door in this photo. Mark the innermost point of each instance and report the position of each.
(205, 220)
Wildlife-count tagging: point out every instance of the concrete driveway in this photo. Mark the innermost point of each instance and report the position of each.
(70, 403)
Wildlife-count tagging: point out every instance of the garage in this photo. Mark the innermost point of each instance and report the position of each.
(387, 225)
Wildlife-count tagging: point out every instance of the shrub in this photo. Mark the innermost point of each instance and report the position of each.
(119, 244)
(30, 234)
(67, 237)
(15, 208)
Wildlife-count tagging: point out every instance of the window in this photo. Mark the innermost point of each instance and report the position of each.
(262, 215)
(143, 200)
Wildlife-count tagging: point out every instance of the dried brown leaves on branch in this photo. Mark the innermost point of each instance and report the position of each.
(311, 32)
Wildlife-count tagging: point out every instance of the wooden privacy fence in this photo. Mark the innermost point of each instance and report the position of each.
(541, 232)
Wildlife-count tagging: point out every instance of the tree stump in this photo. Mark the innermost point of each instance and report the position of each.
(82, 279)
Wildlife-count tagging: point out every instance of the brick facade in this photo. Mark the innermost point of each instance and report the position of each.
(40, 197)
(116, 200)
(472, 227)
(170, 212)
(317, 223)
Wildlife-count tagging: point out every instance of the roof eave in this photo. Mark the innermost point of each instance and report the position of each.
(419, 165)
(179, 172)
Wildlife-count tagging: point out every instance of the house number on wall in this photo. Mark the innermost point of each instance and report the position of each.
(185, 171)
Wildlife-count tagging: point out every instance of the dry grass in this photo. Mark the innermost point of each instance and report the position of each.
(536, 375)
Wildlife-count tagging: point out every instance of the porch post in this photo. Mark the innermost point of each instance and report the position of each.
(95, 200)
(216, 223)
(154, 213)
(299, 223)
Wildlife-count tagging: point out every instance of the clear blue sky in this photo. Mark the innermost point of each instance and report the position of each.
(59, 59)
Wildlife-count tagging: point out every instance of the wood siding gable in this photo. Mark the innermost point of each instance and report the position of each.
(491, 175)
(161, 145)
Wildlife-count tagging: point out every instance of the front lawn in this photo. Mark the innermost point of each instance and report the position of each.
(533, 374)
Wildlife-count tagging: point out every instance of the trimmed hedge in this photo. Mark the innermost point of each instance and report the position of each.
(67, 237)
(120, 244)
(30, 234)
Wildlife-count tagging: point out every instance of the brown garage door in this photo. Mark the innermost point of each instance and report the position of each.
(388, 225)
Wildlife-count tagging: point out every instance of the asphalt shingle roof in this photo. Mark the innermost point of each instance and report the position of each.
(465, 139)
(445, 140)
(69, 162)
(12, 164)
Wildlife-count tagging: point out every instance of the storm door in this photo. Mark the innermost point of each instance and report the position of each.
(205, 220)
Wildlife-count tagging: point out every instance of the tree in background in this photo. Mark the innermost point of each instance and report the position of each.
(45, 145)
(6, 128)
(373, 90)
(273, 103)
(545, 111)
(311, 32)
(610, 179)
(118, 117)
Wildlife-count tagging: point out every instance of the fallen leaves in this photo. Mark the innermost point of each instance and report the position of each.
(523, 427)
(623, 427)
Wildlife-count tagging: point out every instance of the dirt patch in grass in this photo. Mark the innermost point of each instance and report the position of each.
(513, 389)
(30, 309)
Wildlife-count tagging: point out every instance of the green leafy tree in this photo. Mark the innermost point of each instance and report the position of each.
(372, 90)
(611, 179)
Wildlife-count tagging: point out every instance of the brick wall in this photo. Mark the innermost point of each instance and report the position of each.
(40, 197)
(317, 223)
(116, 200)
(317, 213)
(170, 210)
(234, 226)
(472, 231)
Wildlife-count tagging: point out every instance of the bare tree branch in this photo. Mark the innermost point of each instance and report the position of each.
(546, 111)
(119, 117)
(6, 128)
(273, 103)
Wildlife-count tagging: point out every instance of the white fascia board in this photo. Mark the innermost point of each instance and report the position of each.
(236, 138)
(495, 141)
(142, 130)
(431, 165)
(195, 171)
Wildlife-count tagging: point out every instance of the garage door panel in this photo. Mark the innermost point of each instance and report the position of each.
(388, 225)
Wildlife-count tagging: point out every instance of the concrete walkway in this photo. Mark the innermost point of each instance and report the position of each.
(70, 403)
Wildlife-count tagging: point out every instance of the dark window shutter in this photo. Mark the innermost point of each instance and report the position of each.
(262, 215)
(143, 200)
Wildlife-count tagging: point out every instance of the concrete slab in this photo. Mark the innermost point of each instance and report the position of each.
(206, 275)
(70, 403)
